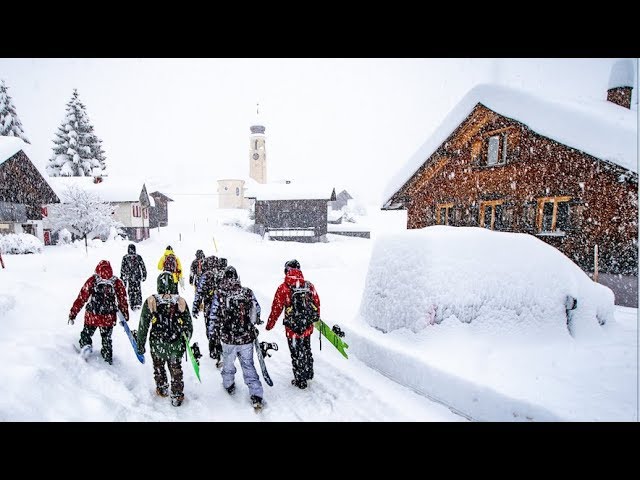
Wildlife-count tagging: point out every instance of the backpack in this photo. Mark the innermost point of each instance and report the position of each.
(103, 296)
(170, 264)
(302, 312)
(166, 319)
(236, 326)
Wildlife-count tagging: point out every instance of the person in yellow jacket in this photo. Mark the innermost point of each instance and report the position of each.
(167, 264)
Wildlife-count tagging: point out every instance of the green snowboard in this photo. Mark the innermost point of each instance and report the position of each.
(194, 362)
(329, 334)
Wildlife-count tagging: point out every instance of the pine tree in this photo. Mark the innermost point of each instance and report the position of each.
(77, 150)
(10, 125)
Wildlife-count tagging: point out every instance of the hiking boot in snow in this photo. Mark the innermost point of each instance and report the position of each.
(162, 391)
(231, 389)
(256, 401)
(176, 400)
(301, 384)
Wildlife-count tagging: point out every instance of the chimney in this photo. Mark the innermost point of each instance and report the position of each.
(621, 83)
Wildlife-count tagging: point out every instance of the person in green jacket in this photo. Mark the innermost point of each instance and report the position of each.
(168, 317)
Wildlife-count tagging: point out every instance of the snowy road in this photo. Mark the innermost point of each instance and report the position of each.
(43, 378)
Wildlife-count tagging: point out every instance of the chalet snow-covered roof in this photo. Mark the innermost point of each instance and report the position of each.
(111, 189)
(9, 146)
(286, 191)
(599, 128)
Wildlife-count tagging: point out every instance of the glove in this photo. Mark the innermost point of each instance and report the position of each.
(195, 312)
(71, 320)
(258, 321)
(141, 350)
(144, 279)
(256, 331)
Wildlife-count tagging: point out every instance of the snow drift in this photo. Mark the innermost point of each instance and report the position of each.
(496, 282)
(20, 243)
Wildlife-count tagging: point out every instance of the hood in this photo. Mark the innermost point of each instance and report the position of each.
(169, 252)
(229, 284)
(209, 264)
(199, 254)
(294, 276)
(164, 282)
(132, 248)
(104, 269)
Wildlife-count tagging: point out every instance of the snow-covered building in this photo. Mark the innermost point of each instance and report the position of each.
(341, 200)
(507, 160)
(23, 190)
(159, 209)
(291, 211)
(128, 198)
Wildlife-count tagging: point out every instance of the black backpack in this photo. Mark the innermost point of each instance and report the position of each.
(236, 306)
(103, 296)
(170, 264)
(165, 321)
(302, 312)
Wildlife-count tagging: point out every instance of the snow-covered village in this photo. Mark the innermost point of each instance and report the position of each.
(306, 240)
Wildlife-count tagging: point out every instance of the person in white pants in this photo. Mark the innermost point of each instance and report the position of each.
(236, 310)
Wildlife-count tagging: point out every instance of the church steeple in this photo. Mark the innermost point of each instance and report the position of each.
(257, 151)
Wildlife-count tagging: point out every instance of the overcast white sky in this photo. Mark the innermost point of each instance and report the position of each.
(347, 122)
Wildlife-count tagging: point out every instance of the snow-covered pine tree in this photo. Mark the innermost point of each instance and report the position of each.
(82, 213)
(10, 125)
(77, 150)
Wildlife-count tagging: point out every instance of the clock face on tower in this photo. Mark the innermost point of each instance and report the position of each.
(256, 156)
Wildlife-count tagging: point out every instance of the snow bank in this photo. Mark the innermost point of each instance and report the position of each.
(500, 283)
(20, 243)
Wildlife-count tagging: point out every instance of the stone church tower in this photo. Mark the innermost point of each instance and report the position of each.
(257, 154)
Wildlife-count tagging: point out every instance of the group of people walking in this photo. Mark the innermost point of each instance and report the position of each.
(231, 314)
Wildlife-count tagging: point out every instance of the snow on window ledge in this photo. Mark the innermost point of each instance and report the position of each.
(557, 233)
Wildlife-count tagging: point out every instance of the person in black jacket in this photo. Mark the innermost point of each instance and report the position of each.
(132, 272)
(196, 269)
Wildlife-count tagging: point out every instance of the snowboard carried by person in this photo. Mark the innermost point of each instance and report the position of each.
(334, 335)
(165, 317)
(236, 311)
(132, 273)
(301, 304)
(104, 294)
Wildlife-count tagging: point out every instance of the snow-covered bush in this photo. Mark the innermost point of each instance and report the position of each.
(64, 237)
(20, 243)
(497, 282)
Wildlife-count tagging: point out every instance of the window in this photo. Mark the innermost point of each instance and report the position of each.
(553, 215)
(445, 212)
(136, 210)
(237, 191)
(497, 149)
(491, 213)
(256, 145)
(145, 212)
(45, 211)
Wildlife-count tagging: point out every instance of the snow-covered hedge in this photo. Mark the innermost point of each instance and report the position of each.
(20, 243)
(494, 282)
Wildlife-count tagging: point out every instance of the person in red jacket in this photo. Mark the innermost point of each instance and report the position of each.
(298, 331)
(106, 295)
